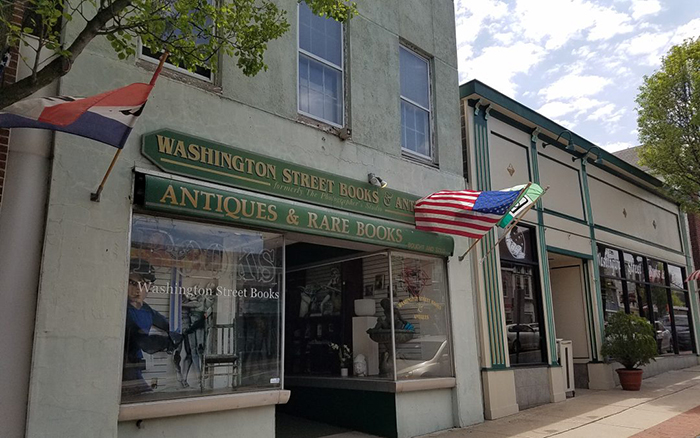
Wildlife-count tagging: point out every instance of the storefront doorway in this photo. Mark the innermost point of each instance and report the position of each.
(568, 282)
(339, 307)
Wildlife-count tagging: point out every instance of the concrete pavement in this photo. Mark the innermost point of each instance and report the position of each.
(665, 407)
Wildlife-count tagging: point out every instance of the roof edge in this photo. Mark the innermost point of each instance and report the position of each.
(479, 88)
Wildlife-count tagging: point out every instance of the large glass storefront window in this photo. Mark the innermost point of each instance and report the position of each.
(203, 310)
(521, 295)
(421, 322)
(649, 288)
(391, 308)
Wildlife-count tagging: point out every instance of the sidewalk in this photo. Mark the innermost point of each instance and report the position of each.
(668, 406)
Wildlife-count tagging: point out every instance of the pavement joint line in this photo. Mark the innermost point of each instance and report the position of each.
(624, 410)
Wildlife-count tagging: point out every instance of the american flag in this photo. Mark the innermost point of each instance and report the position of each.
(466, 213)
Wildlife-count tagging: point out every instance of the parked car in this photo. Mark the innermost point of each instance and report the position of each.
(683, 333)
(523, 337)
(664, 339)
(413, 355)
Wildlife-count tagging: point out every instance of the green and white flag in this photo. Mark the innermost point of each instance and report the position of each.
(530, 196)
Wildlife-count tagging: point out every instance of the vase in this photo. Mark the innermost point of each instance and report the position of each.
(630, 380)
(343, 372)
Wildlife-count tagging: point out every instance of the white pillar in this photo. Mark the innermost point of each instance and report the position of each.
(22, 218)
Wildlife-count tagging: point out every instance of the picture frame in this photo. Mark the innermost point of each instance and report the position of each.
(369, 290)
(379, 281)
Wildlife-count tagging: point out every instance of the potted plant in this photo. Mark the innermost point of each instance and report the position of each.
(630, 340)
(345, 357)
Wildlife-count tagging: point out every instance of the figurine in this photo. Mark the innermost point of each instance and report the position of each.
(359, 366)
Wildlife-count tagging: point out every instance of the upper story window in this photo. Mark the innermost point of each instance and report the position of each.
(200, 72)
(415, 104)
(320, 67)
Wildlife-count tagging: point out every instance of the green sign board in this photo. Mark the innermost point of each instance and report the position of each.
(169, 195)
(194, 157)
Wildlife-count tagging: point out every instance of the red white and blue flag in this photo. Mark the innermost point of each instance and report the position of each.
(465, 213)
(107, 117)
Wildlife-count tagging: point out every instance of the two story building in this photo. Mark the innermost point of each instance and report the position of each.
(245, 239)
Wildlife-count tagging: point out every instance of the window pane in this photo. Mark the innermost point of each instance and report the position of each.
(203, 313)
(634, 267)
(415, 126)
(522, 315)
(414, 78)
(636, 295)
(320, 36)
(676, 277)
(662, 319)
(420, 317)
(681, 315)
(613, 299)
(656, 272)
(320, 90)
(609, 262)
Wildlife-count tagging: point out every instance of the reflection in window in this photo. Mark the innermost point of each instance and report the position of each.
(203, 312)
(609, 261)
(420, 317)
(522, 313)
(613, 296)
(415, 102)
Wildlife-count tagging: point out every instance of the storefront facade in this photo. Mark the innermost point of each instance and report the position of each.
(601, 240)
(202, 294)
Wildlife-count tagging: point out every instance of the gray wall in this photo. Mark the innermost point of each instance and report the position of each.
(75, 387)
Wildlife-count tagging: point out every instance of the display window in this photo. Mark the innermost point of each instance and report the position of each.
(203, 313)
(652, 289)
(381, 315)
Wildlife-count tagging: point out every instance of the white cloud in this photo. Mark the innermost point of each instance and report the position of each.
(577, 107)
(575, 85)
(689, 30)
(498, 65)
(607, 114)
(641, 8)
(567, 19)
(617, 146)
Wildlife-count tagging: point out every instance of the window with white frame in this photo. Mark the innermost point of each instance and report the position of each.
(320, 67)
(415, 103)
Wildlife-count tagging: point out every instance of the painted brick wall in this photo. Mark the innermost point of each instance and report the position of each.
(9, 77)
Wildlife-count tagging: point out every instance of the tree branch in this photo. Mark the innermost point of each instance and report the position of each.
(62, 65)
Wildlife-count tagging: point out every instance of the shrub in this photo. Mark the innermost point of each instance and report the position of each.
(630, 340)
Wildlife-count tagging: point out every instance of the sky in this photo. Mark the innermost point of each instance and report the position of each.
(578, 62)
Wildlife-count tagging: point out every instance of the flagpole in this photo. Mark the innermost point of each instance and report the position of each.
(513, 224)
(96, 195)
(477, 240)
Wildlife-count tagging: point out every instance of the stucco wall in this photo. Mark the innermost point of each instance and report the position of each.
(422, 412)
(75, 387)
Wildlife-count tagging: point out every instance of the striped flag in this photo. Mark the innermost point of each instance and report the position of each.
(693, 276)
(464, 213)
(530, 196)
(107, 117)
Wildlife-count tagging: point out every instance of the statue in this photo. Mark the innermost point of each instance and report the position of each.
(359, 366)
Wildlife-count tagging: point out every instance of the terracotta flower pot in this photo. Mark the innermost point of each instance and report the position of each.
(630, 380)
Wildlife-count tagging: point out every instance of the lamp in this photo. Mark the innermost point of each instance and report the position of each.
(376, 181)
(599, 156)
(570, 146)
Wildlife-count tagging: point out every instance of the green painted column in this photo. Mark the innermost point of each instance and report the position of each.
(596, 319)
(490, 272)
(544, 260)
(691, 284)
